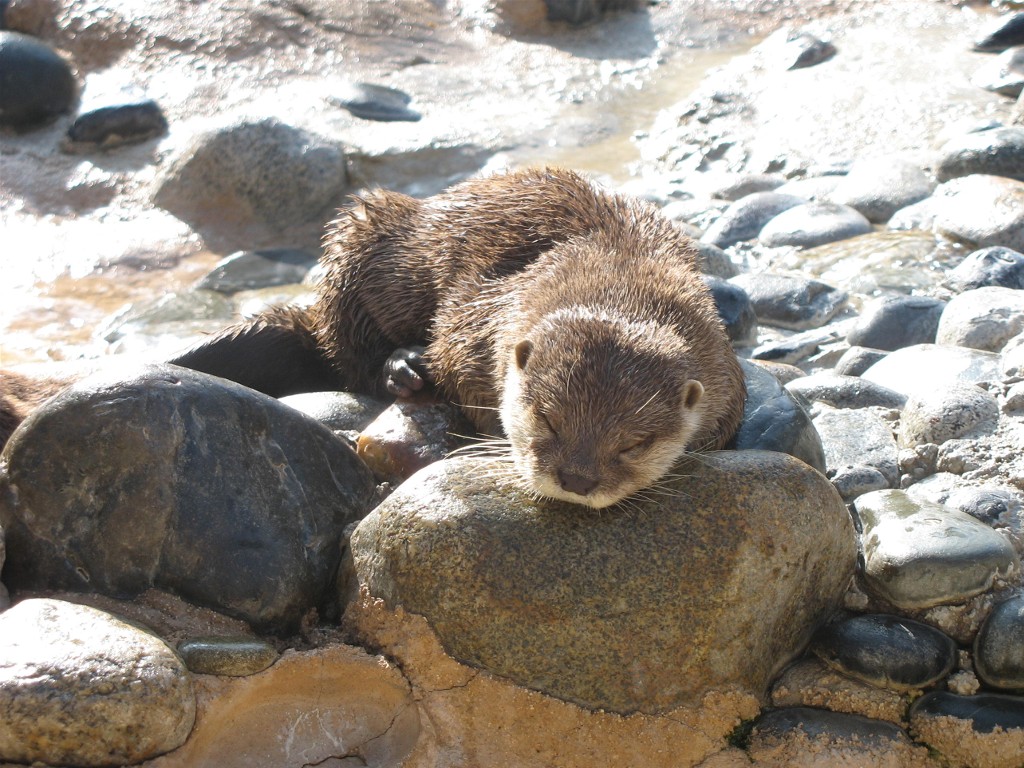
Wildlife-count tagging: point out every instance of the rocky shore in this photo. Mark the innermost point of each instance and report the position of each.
(202, 575)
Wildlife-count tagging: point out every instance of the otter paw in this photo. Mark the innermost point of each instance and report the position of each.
(405, 371)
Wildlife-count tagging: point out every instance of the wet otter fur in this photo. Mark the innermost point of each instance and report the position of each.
(572, 321)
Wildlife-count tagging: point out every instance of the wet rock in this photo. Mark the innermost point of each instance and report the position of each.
(946, 413)
(997, 152)
(845, 391)
(988, 266)
(714, 261)
(983, 210)
(588, 608)
(1005, 75)
(254, 171)
(993, 506)
(338, 411)
(855, 440)
(735, 309)
(744, 219)
(809, 683)
(787, 736)
(376, 102)
(795, 348)
(812, 224)
(880, 187)
(919, 554)
(247, 270)
(1001, 33)
(775, 420)
(81, 687)
(982, 318)
(924, 368)
(794, 49)
(410, 434)
(115, 125)
(894, 322)
(998, 650)
(857, 359)
(796, 303)
(886, 651)
(229, 656)
(36, 84)
(204, 488)
(986, 731)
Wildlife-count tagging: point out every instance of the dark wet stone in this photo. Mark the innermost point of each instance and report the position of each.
(581, 605)
(895, 322)
(800, 346)
(990, 505)
(988, 266)
(796, 303)
(35, 83)
(985, 712)
(880, 187)
(584, 11)
(1001, 33)
(775, 420)
(998, 152)
(886, 651)
(376, 102)
(821, 723)
(796, 49)
(918, 554)
(813, 224)
(734, 307)
(230, 656)
(202, 488)
(744, 219)
(338, 410)
(246, 270)
(846, 391)
(1005, 75)
(857, 359)
(116, 125)
(999, 646)
(983, 730)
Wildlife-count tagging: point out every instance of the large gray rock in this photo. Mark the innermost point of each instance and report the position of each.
(812, 224)
(879, 187)
(984, 210)
(744, 219)
(80, 687)
(924, 368)
(998, 152)
(854, 441)
(158, 476)
(712, 586)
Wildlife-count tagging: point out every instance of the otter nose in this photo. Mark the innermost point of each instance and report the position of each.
(575, 483)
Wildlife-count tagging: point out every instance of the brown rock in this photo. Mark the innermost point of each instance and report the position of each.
(641, 608)
(809, 683)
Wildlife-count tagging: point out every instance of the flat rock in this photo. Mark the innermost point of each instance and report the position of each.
(81, 687)
(641, 608)
(923, 368)
(988, 266)
(113, 125)
(376, 102)
(813, 224)
(203, 488)
(919, 554)
(857, 359)
(796, 303)
(893, 322)
(982, 318)
(880, 187)
(998, 650)
(981, 209)
(947, 413)
(886, 651)
(986, 730)
(744, 219)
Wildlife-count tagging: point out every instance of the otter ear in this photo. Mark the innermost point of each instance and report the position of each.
(522, 353)
(693, 391)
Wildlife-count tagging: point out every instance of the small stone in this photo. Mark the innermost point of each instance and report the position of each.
(81, 687)
(790, 302)
(248, 270)
(894, 322)
(857, 439)
(36, 84)
(880, 187)
(886, 651)
(986, 730)
(116, 125)
(714, 261)
(229, 656)
(999, 646)
(925, 368)
(735, 309)
(1005, 75)
(1014, 401)
(734, 186)
(988, 266)
(855, 480)
(994, 506)
(813, 224)
(846, 391)
(981, 209)
(982, 318)
(744, 219)
(811, 188)
(795, 348)
(857, 359)
(376, 102)
(961, 410)
(794, 49)
(919, 554)
(1001, 33)
(809, 683)
(338, 411)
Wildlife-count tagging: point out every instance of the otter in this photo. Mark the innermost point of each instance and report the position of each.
(569, 321)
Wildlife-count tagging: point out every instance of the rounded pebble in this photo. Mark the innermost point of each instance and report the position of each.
(116, 125)
(894, 322)
(997, 152)
(947, 413)
(790, 302)
(924, 368)
(247, 270)
(744, 219)
(880, 187)
(846, 391)
(988, 266)
(857, 359)
(229, 656)
(811, 224)
(36, 84)
(981, 209)
(986, 730)
(735, 309)
(999, 646)
(376, 102)
(982, 318)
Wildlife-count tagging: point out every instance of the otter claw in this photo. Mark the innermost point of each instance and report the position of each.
(405, 371)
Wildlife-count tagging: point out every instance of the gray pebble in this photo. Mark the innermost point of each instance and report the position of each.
(946, 413)
(376, 102)
(37, 83)
(229, 656)
(999, 646)
(744, 219)
(796, 303)
(856, 360)
(841, 391)
(734, 186)
(988, 266)
(893, 322)
(993, 506)
(1005, 75)
(857, 438)
(116, 125)
(982, 318)
(924, 368)
(854, 481)
(715, 261)
(981, 209)
(338, 410)
(886, 651)
(794, 49)
(735, 309)
(880, 187)
(998, 152)
(247, 270)
(811, 224)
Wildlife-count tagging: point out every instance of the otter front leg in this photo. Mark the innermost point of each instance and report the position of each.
(405, 371)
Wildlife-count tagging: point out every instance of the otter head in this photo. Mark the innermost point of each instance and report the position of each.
(597, 407)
